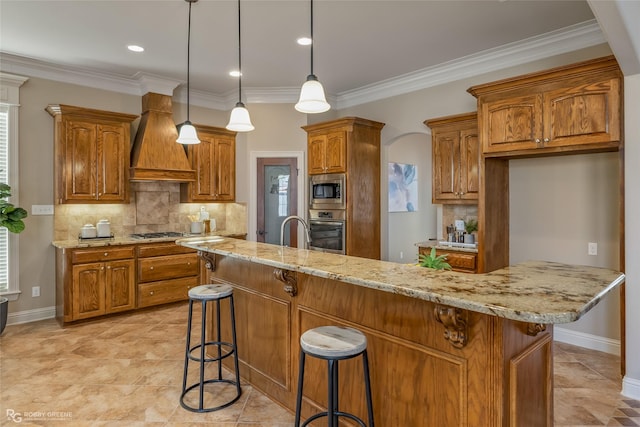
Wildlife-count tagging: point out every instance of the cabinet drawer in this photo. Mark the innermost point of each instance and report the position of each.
(460, 261)
(168, 267)
(81, 256)
(165, 291)
(159, 249)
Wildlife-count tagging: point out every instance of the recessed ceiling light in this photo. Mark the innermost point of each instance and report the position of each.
(304, 41)
(235, 73)
(135, 48)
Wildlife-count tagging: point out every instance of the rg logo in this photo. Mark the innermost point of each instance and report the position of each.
(14, 416)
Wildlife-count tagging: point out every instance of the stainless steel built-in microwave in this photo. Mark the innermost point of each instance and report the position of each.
(327, 191)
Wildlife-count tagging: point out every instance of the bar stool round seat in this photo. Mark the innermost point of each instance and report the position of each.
(222, 349)
(333, 343)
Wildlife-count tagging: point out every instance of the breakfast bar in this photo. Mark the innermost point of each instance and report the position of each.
(446, 348)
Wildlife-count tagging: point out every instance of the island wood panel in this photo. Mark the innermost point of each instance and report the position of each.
(265, 338)
(418, 376)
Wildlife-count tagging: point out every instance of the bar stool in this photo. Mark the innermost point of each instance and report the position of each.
(204, 294)
(334, 343)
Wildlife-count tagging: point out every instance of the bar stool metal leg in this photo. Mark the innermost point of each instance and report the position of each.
(333, 343)
(206, 293)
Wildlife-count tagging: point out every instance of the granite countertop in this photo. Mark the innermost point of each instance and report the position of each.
(126, 240)
(535, 291)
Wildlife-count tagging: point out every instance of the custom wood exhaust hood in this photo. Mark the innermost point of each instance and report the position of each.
(156, 156)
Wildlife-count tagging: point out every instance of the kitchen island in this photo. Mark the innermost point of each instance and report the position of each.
(446, 348)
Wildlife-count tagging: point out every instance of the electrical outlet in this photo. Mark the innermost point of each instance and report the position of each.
(592, 248)
(35, 291)
(41, 209)
(459, 224)
(401, 255)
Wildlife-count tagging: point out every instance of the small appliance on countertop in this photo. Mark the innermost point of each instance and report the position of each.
(103, 228)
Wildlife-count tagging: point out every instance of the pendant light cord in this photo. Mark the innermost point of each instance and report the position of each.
(239, 57)
(312, 40)
(188, 60)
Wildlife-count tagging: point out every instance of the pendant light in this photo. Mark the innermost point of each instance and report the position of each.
(188, 133)
(312, 99)
(239, 120)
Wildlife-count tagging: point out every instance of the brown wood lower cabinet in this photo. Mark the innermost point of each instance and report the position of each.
(166, 272)
(502, 376)
(92, 282)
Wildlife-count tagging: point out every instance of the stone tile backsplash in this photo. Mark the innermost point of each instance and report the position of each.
(153, 206)
(450, 213)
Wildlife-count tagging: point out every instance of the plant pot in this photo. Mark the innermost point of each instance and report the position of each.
(4, 310)
(470, 238)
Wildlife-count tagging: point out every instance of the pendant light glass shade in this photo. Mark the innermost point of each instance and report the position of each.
(240, 120)
(312, 98)
(188, 134)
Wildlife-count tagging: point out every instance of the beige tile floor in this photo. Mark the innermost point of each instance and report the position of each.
(127, 371)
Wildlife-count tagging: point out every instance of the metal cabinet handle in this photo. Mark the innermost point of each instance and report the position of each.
(151, 268)
(108, 267)
(546, 140)
(151, 293)
(537, 140)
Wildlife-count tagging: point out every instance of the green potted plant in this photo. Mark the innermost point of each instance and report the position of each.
(11, 218)
(470, 226)
(432, 261)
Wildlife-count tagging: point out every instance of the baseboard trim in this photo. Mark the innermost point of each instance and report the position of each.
(631, 388)
(590, 341)
(28, 316)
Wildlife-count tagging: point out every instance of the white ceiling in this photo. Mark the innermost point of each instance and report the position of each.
(357, 43)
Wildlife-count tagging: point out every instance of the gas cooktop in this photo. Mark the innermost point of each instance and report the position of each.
(156, 235)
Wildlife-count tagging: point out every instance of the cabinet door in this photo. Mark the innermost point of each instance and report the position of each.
(80, 161)
(317, 146)
(446, 176)
(111, 172)
(469, 164)
(335, 152)
(225, 162)
(88, 291)
(585, 114)
(512, 124)
(214, 161)
(120, 286)
(202, 161)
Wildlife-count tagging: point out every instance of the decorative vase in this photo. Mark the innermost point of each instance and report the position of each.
(4, 310)
(470, 238)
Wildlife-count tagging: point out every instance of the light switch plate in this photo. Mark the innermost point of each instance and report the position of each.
(41, 209)
(459, 224)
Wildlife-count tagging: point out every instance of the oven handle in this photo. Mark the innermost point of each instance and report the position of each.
(323, 222)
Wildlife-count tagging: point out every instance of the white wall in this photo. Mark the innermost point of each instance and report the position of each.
(631, 382)
(557, 206)
(407, 228)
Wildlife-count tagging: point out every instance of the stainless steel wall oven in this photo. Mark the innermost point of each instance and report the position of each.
(328, 231)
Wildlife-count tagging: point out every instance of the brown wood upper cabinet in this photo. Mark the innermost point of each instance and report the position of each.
(455, 159)
(91, 155)
(571, 109)
(327, 152)
(214, 161)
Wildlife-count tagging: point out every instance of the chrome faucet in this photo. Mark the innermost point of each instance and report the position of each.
(301, 221)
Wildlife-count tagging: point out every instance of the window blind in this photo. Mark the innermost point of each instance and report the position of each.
(4, 177)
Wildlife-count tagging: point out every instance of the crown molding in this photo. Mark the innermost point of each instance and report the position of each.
(557, 42)
(564, 40)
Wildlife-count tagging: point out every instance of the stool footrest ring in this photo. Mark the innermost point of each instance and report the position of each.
(337, 413)
(216, 408)
(213, 344)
